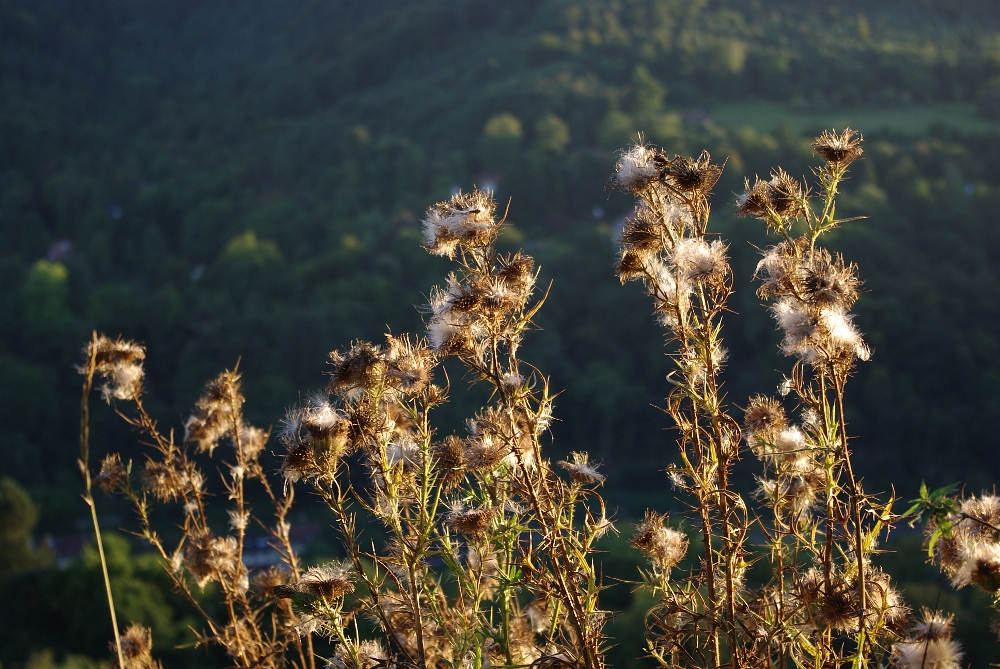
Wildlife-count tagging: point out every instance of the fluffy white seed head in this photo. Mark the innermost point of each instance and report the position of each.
(637, 168)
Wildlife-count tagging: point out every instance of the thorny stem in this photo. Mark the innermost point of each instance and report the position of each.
(345, 525)
(722, 455)
(88, 381)
(855, 495)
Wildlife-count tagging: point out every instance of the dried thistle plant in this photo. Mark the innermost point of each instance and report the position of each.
(518, 585)
(255, 629)
(962, 537)
(825, 603)
(488, 556)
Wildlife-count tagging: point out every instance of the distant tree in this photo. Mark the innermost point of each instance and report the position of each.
(647, 92)
(551, 134)
(18, 517)
(502, 135)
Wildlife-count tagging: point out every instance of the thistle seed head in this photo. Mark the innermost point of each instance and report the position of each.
(933, 626)
(936, 654)
(639, 166)
(764, 418)
(979, 565)
(164, 480)
(450, 462)
(517, 273)
(329, 582)
(632, 264)
(665, 546)
(119, 363)
(983, 516)
(112, 475)
(137, 648)
(643, 231)
(358, 655)
(361, 367)
(470, 521)
(464, 220)
(755, 201)
(786, 194)
(213, 417)
(698, 260)
(827, 282)
(839, 150)
(580, 470)
(207, 557)
(692, 175)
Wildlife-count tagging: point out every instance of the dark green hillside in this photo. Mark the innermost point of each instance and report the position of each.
(244, 180)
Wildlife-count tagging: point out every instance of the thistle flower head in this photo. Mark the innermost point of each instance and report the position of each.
(328, 582)
(839, 150)
(474, 522)
(786, 195)
(119, 363)
(112, 475)
(450, 462)
(827, 282)
(665, 546)
(358, 655)
(137, 648)
(580, 469)
(698, 260)
(692, 175)
(465, 219)
(764, 418)
(638, 167)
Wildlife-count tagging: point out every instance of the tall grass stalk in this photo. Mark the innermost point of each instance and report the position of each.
(84, 464)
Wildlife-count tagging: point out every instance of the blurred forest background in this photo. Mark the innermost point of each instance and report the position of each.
(244, 181)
